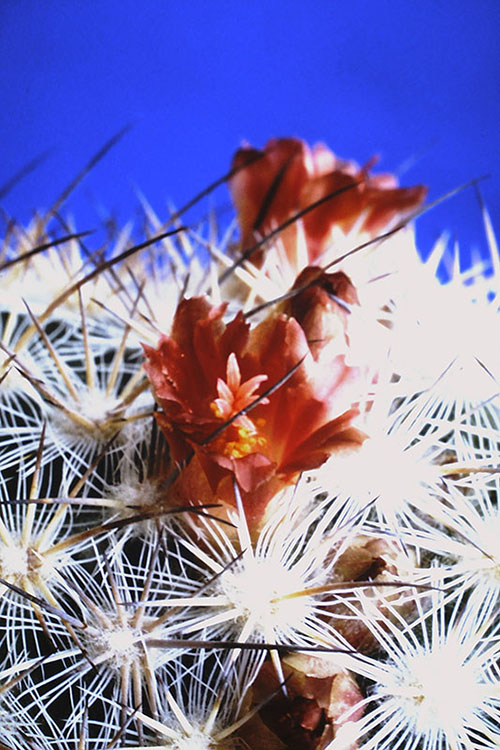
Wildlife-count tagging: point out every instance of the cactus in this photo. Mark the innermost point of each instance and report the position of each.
(249, 485)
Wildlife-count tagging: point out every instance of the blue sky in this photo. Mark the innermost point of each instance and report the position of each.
(416, 82)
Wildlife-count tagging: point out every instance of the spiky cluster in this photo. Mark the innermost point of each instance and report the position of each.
(277, 529)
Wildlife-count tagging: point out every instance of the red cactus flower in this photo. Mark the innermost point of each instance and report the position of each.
(289, 176)
(207, 372)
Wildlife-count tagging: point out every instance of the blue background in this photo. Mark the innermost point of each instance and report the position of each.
(414, 81)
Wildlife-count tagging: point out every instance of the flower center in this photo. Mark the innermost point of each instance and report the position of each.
(241, 437)
(243, 442)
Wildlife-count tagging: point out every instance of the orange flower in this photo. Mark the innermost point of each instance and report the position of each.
(207, 372)
(290, 176)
